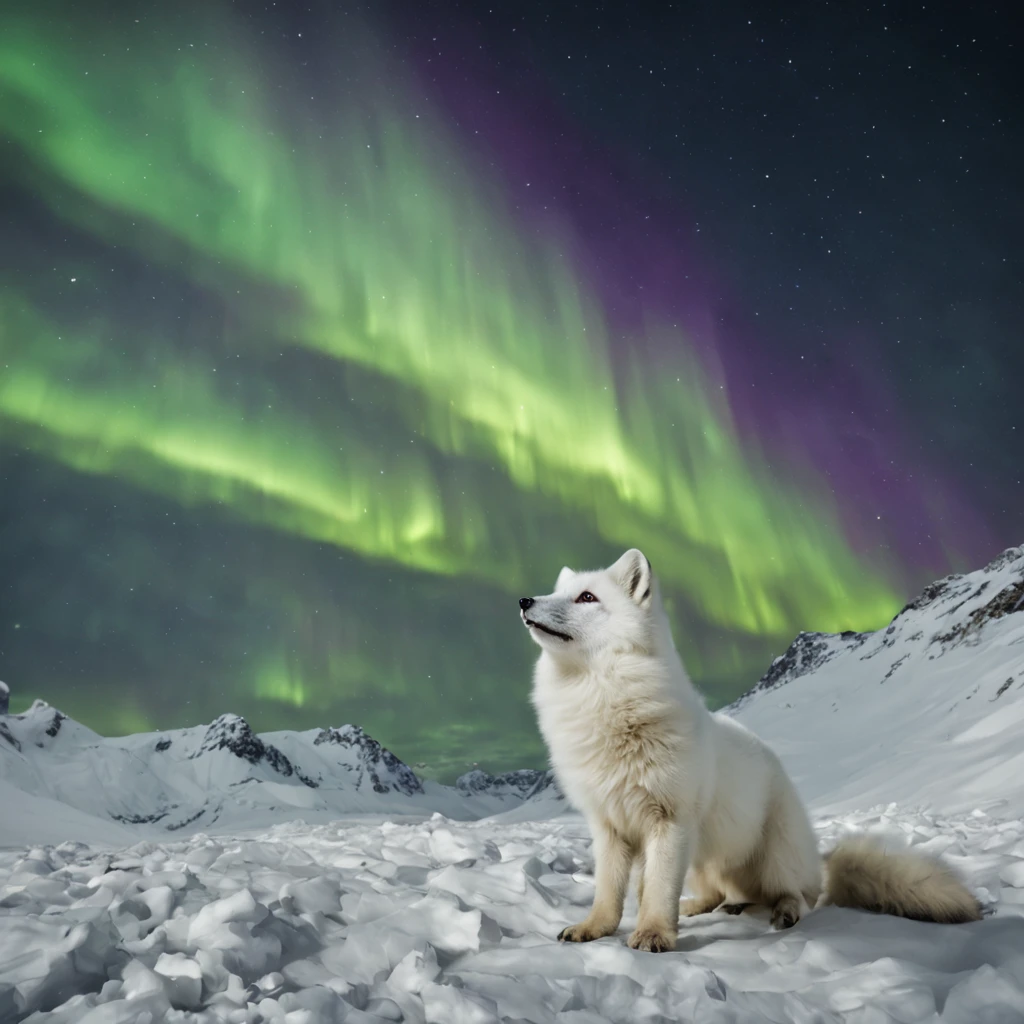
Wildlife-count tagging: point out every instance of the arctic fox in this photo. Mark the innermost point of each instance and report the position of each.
(666, 784)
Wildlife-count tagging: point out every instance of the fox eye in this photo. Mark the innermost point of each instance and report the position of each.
(586, 598)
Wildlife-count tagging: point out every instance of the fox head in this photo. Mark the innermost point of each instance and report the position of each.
(591, 614)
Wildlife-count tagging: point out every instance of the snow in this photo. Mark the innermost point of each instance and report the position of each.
(26, 818)
(440, 920)
(370, 906)
(226, 776)
(928, 711)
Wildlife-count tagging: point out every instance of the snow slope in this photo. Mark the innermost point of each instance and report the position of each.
(914, 731)
(929, 710)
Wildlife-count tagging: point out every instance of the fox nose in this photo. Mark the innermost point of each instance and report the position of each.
(526, 603)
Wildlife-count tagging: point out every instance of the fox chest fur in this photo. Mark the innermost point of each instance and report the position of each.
(619, 752)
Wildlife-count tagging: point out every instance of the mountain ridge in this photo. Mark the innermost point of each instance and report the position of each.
(810, 650)
(224, 773)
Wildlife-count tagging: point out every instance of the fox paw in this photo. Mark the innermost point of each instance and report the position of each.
(735, 908)
(694, 907)
(785, 913)
(651, 940)
(583, 932)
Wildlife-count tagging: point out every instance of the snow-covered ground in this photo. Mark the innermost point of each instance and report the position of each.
(390, 913)
(451, 922)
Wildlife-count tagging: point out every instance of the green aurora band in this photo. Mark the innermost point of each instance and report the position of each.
(469, 419)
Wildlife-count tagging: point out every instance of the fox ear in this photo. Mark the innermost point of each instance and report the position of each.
(563, 577)
(634, 574)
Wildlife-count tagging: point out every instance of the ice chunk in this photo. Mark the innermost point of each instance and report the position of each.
(184, 979)
(1013, 874)
(457, 1006)
(312, 895)
(227, 925)
(160, 902)
(144, 986)
(42, 958)
(416, 969)
(985, 995)
(241, 906)
(446, 849)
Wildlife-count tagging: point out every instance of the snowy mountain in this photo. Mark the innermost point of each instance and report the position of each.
(928, 710)
(332, 914)
(227, 776)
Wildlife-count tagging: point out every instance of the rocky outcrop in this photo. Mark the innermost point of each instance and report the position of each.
(233, 734)
(385, 772)
(524, 783)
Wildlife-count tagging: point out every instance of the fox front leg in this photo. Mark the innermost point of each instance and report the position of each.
(613, 858)
(666, 854)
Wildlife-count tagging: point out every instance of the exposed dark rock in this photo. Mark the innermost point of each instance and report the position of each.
(187, 821)
(523, 783)
(547, 781)
(888, 639)
(1009, 600)
(384, 770)
(232, 733)
(1003, 560)
(140, 819)
(6, 734)
(1002, 689)
(894, 666)
(930, 593)
(808, 652)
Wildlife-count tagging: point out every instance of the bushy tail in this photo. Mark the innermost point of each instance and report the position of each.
(861, 873)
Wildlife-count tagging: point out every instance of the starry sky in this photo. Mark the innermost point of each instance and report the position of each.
(328, 330)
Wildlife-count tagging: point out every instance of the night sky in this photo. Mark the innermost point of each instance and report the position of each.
(328, 331)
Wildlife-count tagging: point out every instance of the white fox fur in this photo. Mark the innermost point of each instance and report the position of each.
(666, 784)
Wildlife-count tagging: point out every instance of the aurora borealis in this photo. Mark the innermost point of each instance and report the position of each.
(304, 379)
